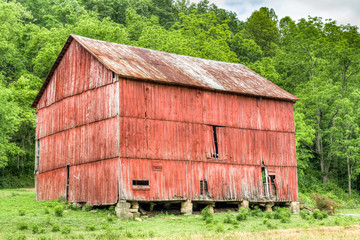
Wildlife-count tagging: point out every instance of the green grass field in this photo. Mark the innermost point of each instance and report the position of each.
(21, 217)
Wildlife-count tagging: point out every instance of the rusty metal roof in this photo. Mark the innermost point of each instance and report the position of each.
(150, 65)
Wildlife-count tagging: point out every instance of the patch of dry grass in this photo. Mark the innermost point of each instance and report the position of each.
(336, 232)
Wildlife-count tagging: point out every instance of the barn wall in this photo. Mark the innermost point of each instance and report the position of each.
(51, 185)
(95, 183)
(172, 127)
(78, 126)
(175, 103)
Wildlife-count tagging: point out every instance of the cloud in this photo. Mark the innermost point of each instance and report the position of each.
(344, 11)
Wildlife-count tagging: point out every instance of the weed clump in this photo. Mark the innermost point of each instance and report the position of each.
(243, 214)
(228, 219)
(66, 230)
(55, 228)
(151, 233)
(206, 213)
(317, 214)
(21, 212)
(282, 213)
(35, 229)
(324, 203)
(23, 226)
(269, 224)
(46, 210)
(219, 228)
(87, 208)
(256, 212)
(59, 211)
(90, 228)
(304, 214)
(268, 215)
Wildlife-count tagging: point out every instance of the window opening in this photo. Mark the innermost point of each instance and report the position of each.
(216, 154)
(272, 184)
(140, 182)
(204, 188)
(265, 180)
(37, 155)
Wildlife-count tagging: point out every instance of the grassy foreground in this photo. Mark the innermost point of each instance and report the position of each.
(21, 217)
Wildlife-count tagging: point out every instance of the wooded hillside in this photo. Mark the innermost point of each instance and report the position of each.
(314, 59)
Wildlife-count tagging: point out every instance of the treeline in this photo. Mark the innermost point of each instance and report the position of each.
(315, 59)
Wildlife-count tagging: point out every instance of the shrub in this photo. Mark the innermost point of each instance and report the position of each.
(55, 228)
(59, 211)
(21, 212)
(242, 215)
(41, 230)
(325, 203)
(206, 213)
(110, 219)
(23, 226)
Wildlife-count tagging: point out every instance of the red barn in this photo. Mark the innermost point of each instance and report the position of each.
(127, 125)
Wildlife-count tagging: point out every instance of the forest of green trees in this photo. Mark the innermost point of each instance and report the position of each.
(315, 59)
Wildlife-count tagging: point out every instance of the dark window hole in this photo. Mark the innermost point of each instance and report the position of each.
(140, 182)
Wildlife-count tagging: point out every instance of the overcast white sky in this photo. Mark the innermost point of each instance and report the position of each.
(343, 11)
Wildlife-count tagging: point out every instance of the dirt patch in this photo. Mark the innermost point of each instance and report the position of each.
(28, 189)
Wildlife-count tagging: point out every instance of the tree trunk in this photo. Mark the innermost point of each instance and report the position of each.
(319, 148)
(349, 174)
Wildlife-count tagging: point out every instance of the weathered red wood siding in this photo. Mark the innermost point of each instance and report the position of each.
(171, 127)
(110, 131)
(77, 125)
